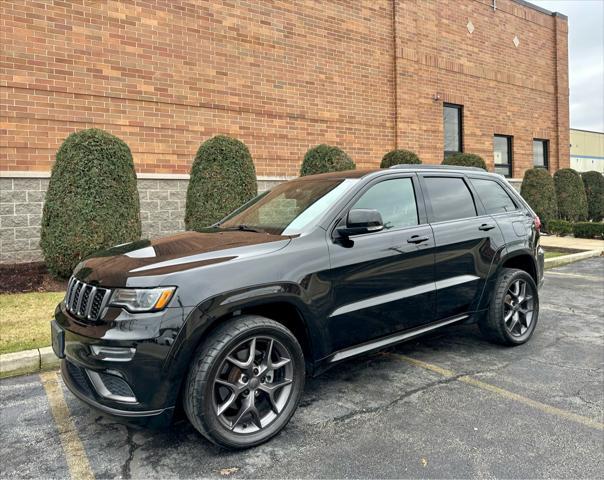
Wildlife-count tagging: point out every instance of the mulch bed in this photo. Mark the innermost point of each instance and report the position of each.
(28, 277)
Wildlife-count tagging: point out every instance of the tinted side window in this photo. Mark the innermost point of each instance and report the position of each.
(494, 198)
(450, 198)
(394, 199)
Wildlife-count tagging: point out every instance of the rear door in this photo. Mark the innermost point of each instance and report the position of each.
(515, 223)
(383, 281)
(467, 241)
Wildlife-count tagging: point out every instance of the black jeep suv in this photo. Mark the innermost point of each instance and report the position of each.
(227, 322)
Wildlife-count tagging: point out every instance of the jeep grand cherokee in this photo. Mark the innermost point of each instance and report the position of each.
(227, 322)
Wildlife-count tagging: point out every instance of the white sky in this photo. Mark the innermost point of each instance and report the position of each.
(586, 59)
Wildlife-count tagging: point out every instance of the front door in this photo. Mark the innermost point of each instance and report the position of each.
(383, 281)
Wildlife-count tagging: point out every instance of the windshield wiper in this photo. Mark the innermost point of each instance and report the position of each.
(244, 228)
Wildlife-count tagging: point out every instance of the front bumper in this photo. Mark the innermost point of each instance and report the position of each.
(75, 379)
(122, 366)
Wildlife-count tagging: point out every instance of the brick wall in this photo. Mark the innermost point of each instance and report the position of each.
(281, 76)
(520, 91)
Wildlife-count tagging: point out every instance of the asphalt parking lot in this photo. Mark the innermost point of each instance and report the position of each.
(448, 405)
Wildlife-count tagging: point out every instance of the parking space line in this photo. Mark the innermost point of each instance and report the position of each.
(575, 275)
(558, 412)
(75, 455)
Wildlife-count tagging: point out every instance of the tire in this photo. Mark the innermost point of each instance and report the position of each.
(237, 399)
(511, 320)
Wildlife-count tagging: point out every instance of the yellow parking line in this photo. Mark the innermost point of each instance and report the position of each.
(75, 455)
(558, 412)
(575, 275)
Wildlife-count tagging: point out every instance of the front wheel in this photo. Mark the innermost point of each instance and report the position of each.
(514, 309)
(245, 383)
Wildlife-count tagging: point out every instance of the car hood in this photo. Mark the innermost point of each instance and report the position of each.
(130, 263)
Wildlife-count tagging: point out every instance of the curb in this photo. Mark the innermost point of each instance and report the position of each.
(28, 361)
(573, 257)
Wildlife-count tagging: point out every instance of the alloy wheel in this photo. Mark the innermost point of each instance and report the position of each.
(253, 384)
(518, 307)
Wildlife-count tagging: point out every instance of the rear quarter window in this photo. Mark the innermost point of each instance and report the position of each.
(493, 196)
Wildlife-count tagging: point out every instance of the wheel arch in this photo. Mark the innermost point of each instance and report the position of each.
(521, 259)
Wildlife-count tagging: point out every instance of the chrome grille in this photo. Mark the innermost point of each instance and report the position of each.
(85, 301)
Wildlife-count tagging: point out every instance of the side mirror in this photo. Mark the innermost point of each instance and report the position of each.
(361, 221)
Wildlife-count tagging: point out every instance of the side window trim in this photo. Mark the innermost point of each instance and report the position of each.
(478, 206)
(419, 202)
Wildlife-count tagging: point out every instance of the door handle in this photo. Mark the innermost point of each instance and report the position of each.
(486, 227)
(417, 239)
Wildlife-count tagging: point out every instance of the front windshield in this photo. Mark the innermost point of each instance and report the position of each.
(289, 208)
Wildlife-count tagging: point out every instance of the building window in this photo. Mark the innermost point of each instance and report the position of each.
(540, 153)
(502, 155)
(452, 121)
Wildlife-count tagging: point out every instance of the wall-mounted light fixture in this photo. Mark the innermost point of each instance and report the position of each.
(436, 97)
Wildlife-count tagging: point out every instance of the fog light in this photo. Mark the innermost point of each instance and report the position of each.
(113, 354)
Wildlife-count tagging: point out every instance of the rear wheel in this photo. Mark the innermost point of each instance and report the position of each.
(245, 383)
(514, 309)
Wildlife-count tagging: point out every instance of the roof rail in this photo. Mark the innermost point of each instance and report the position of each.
(416, 166)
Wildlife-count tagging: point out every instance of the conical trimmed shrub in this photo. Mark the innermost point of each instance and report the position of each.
(222, 179)
(325, 158)
(570, 191)
(465, 160)
(539, 192)
(399, 157)
(92, 200)
(594, 190)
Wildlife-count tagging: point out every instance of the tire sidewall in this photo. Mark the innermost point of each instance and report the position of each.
(231, 439)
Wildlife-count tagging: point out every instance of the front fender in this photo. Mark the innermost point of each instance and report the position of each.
(211, 311)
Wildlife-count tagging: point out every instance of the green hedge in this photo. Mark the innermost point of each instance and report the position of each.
(560, 227)
(465, 160)
(589, 230)
(539, 192)
(92, 200)
(594, 191)
(222, 179)
(325, 158)
(570, 192)
(398, 157)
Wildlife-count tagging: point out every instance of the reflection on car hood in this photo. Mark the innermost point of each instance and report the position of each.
(114, 266)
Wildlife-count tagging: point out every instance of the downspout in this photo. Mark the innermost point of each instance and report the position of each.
(395, 77)
(557, 97)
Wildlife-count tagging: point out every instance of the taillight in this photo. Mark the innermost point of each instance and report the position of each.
(537, 223)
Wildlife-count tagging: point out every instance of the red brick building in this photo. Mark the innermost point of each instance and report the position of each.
(483, 76)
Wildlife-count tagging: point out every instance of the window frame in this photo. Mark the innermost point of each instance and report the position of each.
(510, 164)
(545, 144)
(459, 108)
(419, 201)
(478, 206)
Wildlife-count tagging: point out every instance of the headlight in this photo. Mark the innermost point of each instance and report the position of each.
(142, 299)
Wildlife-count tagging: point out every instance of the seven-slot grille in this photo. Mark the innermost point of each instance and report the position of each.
(86, 301)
